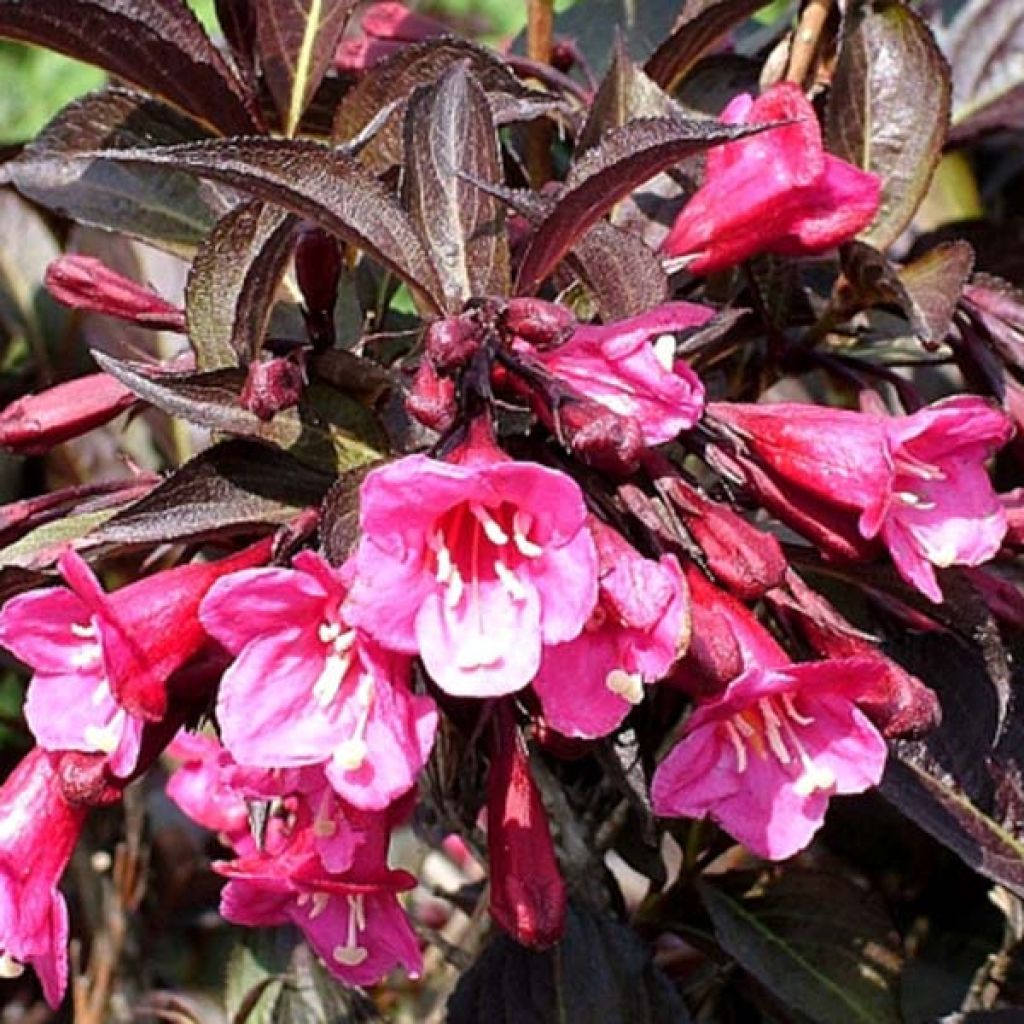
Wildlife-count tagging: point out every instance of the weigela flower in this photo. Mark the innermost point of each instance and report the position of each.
(308, 687)
(475, 564)
(764, 757)
(776, 191)
(916, 482)
(104, 659)
(38, 832)
(637, 631)
(619, 366)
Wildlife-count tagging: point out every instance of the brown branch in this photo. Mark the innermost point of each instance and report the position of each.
(807, 39)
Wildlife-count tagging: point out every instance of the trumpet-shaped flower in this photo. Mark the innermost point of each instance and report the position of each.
(38, 832)
(636, 632)
(776, 191)
(308, 687)
(917, 482)
(474, 564)
(764, 757)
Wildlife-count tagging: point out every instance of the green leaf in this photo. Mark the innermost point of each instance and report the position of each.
(296, 43)
(43, 545)
(876, 120)
(157, 45)
(170, 209)
(450, 141)
(233, 282)
(256, 973)
(820, 943)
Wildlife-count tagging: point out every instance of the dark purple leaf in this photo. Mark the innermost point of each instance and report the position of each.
(386, 88)
(985, 47)
(699, 26)
(820, 943)
(232, 488)
(233, 281)
(330, 430)
(877, 120)
(296, 42)
(625, 158)
(339, 516)
(316, 182)
(168, 208)
(237, 20)
(449, 137)
(158, 45)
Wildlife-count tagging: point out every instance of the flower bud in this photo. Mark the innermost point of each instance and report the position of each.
(83, 282)
(273, 385)
(451, 342)
(34, 424)
(528, 897)
(599, 437)
(431, 399)
(542, 324)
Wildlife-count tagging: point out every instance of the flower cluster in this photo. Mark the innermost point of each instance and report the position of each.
(492, 580)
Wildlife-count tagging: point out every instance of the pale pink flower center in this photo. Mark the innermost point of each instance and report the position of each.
(339, 649)
(88, 657)
(772, 729)
(910, 473)
(472, 544)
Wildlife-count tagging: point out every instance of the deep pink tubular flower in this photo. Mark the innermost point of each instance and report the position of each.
(917, 482)
(308, 687)
(777, 191)
(635, 634)
(764, 757)
(622, 367)
(38, 832)
(475, 564)
(353, 920)
(104, 659)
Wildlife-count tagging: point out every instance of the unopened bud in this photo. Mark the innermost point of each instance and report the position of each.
(542, 324)
(431, 399)
(83, 282)
(273, 385)
(451, 342)
(601, 438)
(34, 424)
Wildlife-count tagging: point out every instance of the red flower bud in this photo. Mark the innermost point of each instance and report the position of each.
(273, 385)
(599, 437)
(317, 269)
(35, 423)
(432, 398)
(83, 282)
(451, 342)
(528, 897)
(542, 324)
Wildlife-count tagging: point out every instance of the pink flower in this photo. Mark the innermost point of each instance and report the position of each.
(309, 688)
(387, 28)
(635, 634)
(617, 365)
(353, 920)
(917, 482)
(104, 659)
(764, 757)
(777, 191)
(38, 832)
(475, 564)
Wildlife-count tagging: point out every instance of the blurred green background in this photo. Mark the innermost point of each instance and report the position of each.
(35, 84)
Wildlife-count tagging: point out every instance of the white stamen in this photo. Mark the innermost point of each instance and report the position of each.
(105, 738)
(325, 689)
(445, 568)
(456, 588)
(665, 351)
(86, 656)
(915, 500)
(628, 685)
(737, 744)
(522, 523)
(328, 632)
(790, 706)
(86, 632)
(9, 967)
(100, 694)
(745, 728)
(772, 727)
(351, 753)
(320, 901)
(510, 581)
(352, 955)
(324, 828)
(492, 528)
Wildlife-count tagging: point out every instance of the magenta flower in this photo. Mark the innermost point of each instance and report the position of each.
(307, 687)
(38, 832)
(618, 366)
(777, 191)
(474, 564)
(917, 482)
(635, 634)
(764, 757)
(353, 920)
(104, 659)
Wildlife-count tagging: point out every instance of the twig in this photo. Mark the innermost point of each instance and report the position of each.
(807, 40)
(540, 29)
